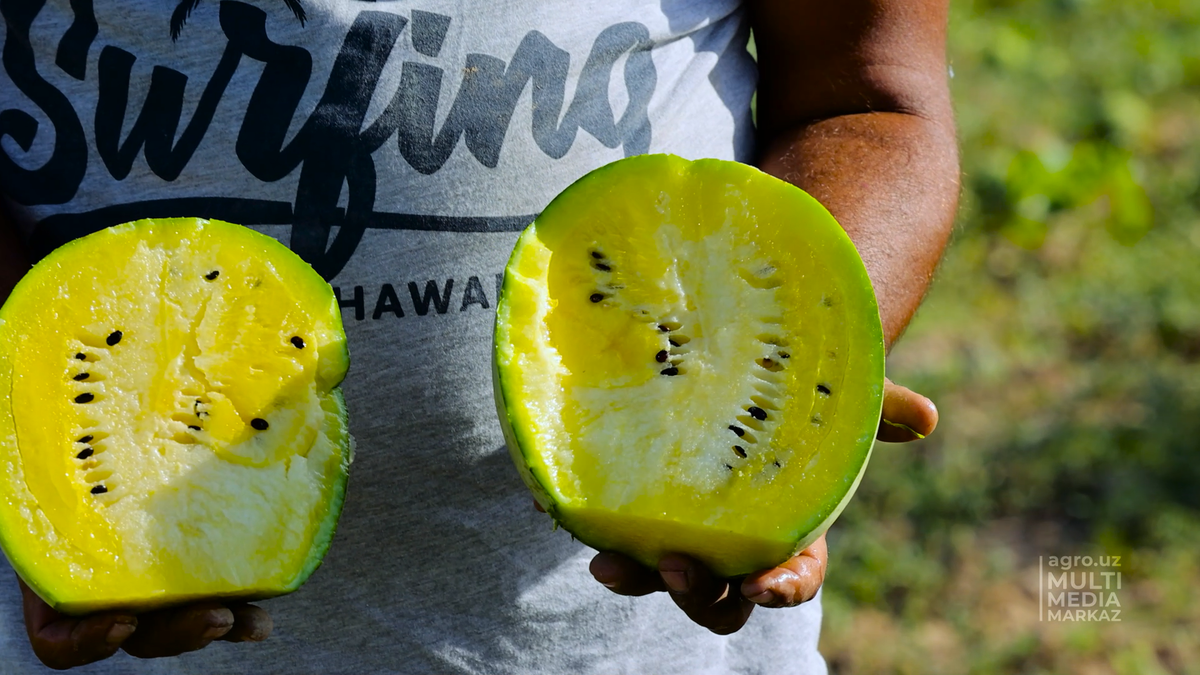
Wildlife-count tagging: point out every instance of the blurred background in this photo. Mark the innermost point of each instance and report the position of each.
(1061, 342)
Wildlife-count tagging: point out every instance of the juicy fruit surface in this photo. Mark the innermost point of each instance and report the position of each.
(689, 358)
(170, 426)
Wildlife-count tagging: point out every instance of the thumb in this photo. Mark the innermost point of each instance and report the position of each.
(907, 415)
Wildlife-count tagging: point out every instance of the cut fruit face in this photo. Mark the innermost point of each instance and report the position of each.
(689, 358)
(170, 423)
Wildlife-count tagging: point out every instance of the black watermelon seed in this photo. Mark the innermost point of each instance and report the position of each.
(99, 490)
(777, 464)
(84, 453)
(81, 356)
(85, 439)
(597, 255)
(673, 343)
(737, 430)
(784, 355)
(741, 452)
(823, 389)
(661, 356)
(602, 267)
(596, 297)
(212, 275)
(727, 466)
(113, 338)
(757, 413)
(259, 423)
(193, 427)
(671, 371)
(81, 377)
(298, 342)
(663, 328)
(85, 397)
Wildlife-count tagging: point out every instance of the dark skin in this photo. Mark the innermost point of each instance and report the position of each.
(853, 107)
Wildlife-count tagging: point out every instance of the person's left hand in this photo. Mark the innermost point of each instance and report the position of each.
(724, 605)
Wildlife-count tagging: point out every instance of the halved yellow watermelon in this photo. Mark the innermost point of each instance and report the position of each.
(689, 358)
(170, 423)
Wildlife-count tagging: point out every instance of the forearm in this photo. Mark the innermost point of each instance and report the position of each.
(891, 180)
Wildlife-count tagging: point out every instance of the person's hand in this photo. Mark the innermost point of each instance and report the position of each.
(63, 641)
(724, 605)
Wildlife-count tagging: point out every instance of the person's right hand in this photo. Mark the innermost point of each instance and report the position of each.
(63, 641)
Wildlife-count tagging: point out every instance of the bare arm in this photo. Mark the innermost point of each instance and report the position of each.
(854, 107)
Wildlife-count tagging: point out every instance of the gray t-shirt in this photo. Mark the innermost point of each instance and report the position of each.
(399, 147)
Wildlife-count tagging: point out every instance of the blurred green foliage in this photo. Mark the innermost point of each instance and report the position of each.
(1061, 341)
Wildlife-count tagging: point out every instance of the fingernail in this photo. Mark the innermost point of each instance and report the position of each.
(609, 584)
(763, 598)
(119, 632)
(676, 580)
(214, 632)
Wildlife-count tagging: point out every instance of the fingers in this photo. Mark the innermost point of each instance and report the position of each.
(62, 641)
(250, 624)
(907, 415)
(623, 575)
(792, 583)
(708, 600)
(169, 632)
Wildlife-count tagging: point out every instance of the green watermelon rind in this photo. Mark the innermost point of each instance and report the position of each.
(334, 363)
(840, 249)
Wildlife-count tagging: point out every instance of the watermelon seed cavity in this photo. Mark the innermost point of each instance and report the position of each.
(770, 365)
(741, 452)
(825, 390)
(602, 267)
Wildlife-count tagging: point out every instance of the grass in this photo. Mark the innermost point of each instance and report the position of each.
(1061, 341)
